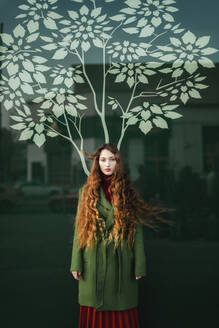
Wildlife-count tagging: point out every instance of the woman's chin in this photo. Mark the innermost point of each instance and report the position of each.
(108, 172)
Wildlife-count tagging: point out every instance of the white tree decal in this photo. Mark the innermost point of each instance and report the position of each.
(35, 62)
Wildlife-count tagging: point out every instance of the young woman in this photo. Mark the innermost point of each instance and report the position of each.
(108, 255)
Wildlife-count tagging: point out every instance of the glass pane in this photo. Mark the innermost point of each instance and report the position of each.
(143, 75)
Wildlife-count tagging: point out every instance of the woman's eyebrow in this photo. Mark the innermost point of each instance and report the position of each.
(111, 157)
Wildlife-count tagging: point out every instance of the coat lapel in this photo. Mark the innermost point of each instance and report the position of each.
(105, 208)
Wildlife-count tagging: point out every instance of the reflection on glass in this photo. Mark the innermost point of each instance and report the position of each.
(59, 104)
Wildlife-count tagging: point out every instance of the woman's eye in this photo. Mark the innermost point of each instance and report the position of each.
(110, 159)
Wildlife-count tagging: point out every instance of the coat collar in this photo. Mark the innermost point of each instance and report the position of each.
(104, 201)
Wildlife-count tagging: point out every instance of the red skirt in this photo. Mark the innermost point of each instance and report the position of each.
(89, 318)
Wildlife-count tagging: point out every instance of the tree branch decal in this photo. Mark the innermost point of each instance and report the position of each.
(38, 83)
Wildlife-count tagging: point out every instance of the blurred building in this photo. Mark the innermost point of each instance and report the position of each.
(190, 141)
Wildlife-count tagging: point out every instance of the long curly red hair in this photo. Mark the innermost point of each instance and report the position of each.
(129, 208)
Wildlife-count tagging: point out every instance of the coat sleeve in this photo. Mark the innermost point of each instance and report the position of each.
(77, 256)
(139, 253)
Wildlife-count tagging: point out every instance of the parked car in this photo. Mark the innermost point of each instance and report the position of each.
(38, 189)
(9, 198)
(64, 202)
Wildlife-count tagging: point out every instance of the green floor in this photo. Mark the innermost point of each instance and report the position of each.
(37, 289)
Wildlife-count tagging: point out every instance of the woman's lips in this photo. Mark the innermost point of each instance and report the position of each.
(107, 170)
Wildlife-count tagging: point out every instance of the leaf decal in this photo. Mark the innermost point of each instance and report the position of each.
(184, 97)
(85, 45)
(96, 12)
(46, 104)
(19, 31)
(79, 79)
(39, 60)
(176, 42)
(178, 72)
(168, 58)
(39, 77)
(54, 15)
(136, 109)
(52, 134)
(50, 46)
(145, 127)
(32, 26)
(24, 7)
(117, 17)
(58, 80)
(127, 115)
(58, 110)
(132, 120)
(120, 78)
(172, 115)
(160, 122)
(50, 24)
(130, 81)
(201, 86)
(130, 20)
(194, 94)
(169, 107)
(26, 134)
(154, 65)
(98, 43)
(73, 14)
(202, 41)
(25, 77)
(39, 128)
(189, 37)
(71, 110)
(146, 31)
(145, 114)
(8, 104)
(84, 10)
(60, 54)
(156, 21)
(81, 106)
(7, 39)
(12, 69)
(191, 67)
(68, 82)
(156, 109)
(206, 62)
(17, 118)
(208, 51)
(143, 79)
(142, 22)
(39, 139)
(131, 30)
(28, 65)
(32, 37)
(168, 17)
(27, 89)
(18, 126)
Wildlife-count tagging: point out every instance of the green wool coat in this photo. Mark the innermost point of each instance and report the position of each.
(108, 277)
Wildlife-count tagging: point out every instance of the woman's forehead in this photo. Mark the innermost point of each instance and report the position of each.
(106, 153)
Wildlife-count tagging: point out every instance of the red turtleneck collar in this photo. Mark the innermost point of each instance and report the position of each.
(106, 179)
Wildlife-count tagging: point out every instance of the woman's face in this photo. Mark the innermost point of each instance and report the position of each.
(107, 162)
